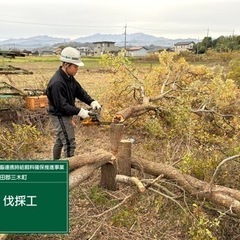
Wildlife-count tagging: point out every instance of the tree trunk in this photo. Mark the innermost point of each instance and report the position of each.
(124, 158)
(80, 174)
(109, 170)
(86, 159)
(135, 111)
(219, 195)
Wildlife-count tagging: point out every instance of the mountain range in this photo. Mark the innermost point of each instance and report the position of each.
(48, 42)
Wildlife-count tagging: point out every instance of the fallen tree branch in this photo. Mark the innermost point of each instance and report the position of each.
(136, 111)
(99, 227)
(168, 197)
(220, 165)
(134, 180)
(154, 181)
(128, 197)
(116, 206)
(220, 195)
(171, 194)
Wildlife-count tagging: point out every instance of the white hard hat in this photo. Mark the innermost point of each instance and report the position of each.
(71, 55)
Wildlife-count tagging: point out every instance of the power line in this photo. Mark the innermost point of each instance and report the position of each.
(111, 26)
(177, 29)
(56, 25)
(103, 26)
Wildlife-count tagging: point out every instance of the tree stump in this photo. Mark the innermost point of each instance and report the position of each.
(116, 133)
(124, 158)
(109, 170)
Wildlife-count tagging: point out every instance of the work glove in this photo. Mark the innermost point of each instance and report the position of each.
(96, 106)
(83, 113)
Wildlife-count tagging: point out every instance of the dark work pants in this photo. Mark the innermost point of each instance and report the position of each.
(64, 136)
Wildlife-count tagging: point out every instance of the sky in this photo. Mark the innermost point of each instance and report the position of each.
(79, 18)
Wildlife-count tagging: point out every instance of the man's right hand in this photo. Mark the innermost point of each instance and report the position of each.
(83, 113)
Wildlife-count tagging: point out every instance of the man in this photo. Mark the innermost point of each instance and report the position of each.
(61, 91)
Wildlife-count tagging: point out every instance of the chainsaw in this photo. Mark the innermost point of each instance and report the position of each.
(94, 119)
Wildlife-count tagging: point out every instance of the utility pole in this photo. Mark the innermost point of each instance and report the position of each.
(207, 32)
(197, 46)
(125, 40)
(207, 40)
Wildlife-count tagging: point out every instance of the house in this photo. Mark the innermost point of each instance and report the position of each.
(57, 50)
(137, 51)
(103, 47)
(183, 46)
(47, 53)
(26, 52)
(85, 51)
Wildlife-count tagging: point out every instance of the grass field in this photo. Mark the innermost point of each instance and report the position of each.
(43, 68)
(93, 75)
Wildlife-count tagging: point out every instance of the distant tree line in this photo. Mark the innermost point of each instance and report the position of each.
(221, 44)
(11, 53)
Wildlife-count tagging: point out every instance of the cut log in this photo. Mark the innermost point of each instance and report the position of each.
(108, 175)
(124, 158)
(80, 174)
(86, 159)
(116, 133)
(219, 195)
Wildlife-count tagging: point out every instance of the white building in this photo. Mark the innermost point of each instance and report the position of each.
(85, 51)
(104, 47)
(183, 46)
(137, 52)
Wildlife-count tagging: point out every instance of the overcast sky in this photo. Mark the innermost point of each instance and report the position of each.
(77, 18)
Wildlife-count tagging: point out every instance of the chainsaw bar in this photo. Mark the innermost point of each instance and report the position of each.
(89, 122)
(94, 120)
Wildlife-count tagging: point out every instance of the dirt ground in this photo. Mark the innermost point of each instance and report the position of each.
(145, 216)
(135, 220)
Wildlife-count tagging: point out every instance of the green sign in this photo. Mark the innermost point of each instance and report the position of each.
(34, 196)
